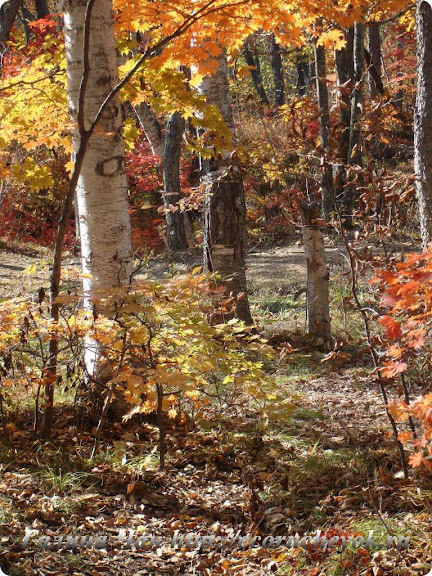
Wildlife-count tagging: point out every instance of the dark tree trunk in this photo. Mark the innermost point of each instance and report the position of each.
(224, 205)
(278, 75)
(303, 74)
(400, 94)
(253, 64)
(8, 13)
(374, 76)
(374, 49)
(225, 237)
(423, 121)
(344, 73)
(355, 148)
(324, 120)
(318, 310)
(176, 235)
(42, 8)
(354, 152)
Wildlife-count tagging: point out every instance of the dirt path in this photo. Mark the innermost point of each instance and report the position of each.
(280, 267)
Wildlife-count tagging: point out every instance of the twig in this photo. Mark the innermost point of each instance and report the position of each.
(108, 400)
(408, 401)
(373, 352)
(2, 414)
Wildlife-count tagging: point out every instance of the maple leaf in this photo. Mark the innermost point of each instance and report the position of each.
(332, 39)
(395, 351)
(393, 327)
(416, 339)
(408, 287)
(399, 410)
(391, 369)
(388, 277)
(405, 436)
(416, 459)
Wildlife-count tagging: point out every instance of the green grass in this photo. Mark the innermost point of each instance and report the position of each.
(278, 310)
(308, 414)
(56, 481)
(144, 462)
(274, 304)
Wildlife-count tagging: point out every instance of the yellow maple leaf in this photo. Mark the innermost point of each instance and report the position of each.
(332, 39)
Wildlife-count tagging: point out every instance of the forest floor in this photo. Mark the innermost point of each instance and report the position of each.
(320, 457)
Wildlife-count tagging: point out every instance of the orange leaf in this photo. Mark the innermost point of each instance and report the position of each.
(415, 459)
(398, 409)
(391, 369)
(405, 436)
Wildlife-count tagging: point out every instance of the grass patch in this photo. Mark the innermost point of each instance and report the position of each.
(307, 414)
(56, 481)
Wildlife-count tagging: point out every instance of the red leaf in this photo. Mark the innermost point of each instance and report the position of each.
(393, 327)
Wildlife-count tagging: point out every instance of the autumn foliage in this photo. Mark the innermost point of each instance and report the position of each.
(407, 323)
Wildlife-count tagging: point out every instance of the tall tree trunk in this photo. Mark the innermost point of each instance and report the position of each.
(278, 75)
(355, 149)
(224, 205)
(344, 73)
(357, 94)
(400, 94)
(225, 239)
(8, 13)
(423, 121)
(303, 74)
(318, 311)
(151, 127)
(42, 8)
(176, 235)
(324, 120)
(106, 250)
(255, 72)
(374, 48)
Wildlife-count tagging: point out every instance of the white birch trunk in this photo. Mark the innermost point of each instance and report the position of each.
(101, 194)
(318, 307)
(216, 89)
(423, 121)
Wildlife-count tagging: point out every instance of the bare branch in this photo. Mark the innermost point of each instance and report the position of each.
(30, 82)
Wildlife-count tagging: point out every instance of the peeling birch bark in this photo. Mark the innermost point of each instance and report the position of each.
(106, 251)
(318, 311)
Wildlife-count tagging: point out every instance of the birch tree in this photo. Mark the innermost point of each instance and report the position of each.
(423, 120)
(151, 128)
(318, 306)
(101, 192)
